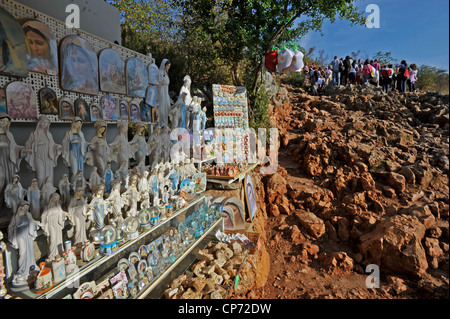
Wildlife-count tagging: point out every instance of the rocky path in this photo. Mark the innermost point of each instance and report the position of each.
(362, 180)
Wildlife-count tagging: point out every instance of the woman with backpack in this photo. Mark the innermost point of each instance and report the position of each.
(402, 76)
(412, 78)
(367, 71)
(352, 73)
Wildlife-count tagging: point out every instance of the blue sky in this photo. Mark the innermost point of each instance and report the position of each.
(414, 30)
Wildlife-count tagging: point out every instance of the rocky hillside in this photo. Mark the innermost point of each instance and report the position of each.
(362, 179)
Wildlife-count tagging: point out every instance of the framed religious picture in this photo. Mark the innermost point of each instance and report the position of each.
(146, 112)
(21, 100)
(48, 102)
(2, 100)
(137, 77)
(82, 110)
(66, 111)
(112, 72)
(96, 112)
(151, 100)
(123, 109)
(109, 107)
(153, 74)
(13, 57)
(42, 48)
(250, 196)
(78, 66)
(135, 111)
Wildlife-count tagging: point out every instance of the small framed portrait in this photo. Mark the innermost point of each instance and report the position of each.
(42, 49)
(143, 252)
(151, 96)
(13, 56)
(112, 72)
(79, 66)
(250, 196)
(149, 273)
(86, 290)
(120, 290)
(132, 273)
(123, 264)
(142, 267)
(109, 107)
(96, 112)
(2, 100)
(48, 102)
(134, 259)
(135, 111)
(153, 74)
(137, 77)
(146, 112)
(66, 111)
(82, 110)
(21, 100)
(123, 109)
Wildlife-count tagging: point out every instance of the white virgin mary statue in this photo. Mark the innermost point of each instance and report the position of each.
(163, 93)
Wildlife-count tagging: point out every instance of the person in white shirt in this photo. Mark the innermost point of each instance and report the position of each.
(334, 65)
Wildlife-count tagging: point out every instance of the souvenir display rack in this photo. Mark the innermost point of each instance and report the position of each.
(231, 116)
(103, 267)
(229, 180)
(60, 30)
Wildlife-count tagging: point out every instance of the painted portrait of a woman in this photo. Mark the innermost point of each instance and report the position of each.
(42, 52)
(13, 51)
(79, 66)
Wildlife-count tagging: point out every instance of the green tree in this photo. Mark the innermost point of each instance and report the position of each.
(430, 78)
(384, 58)
(242, 31)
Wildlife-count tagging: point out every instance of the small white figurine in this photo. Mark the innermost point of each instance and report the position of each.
(186, 89)
(79, 181)
(115, 204)
(10, 154)
(22, 231)
(166, 144)
(99, 151)
(131, 197)
(74, 148)
(203, 119)
(154, 147)
(46, 190)
(108, 179)
(177, 113)
(41, 150)
(120, 147)
(97, 207)
(165, 195)
(142, 185)
(94, 179)
(14, 193)
(163, 93)
(77, 214)
(34, 199)
(52, 223)
(138, 144)
(64, 190)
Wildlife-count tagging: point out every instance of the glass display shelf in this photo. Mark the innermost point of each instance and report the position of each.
(103, 265)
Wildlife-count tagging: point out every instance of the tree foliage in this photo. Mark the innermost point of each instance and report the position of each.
(430, 78)
(242, 31)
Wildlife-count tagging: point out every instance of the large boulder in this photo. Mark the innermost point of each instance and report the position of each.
(395, 245)
(313, 224)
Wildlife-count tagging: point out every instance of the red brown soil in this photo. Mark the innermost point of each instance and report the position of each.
(328, 262)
